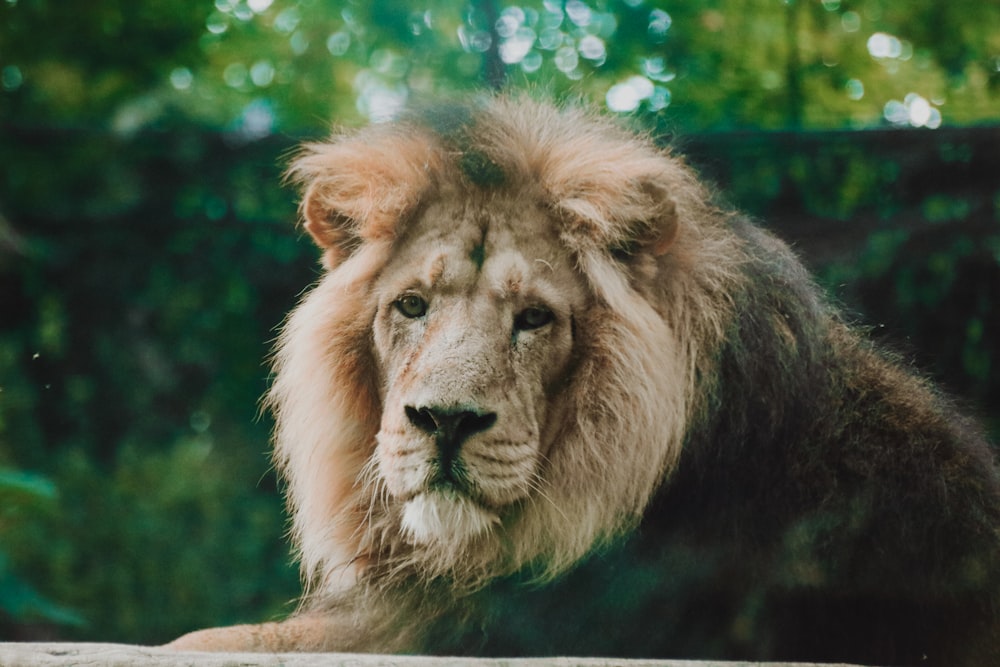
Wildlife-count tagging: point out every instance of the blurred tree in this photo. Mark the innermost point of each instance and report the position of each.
(259, 66)
(78, 64)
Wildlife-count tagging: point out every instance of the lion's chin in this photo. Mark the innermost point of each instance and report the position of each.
(437, 518)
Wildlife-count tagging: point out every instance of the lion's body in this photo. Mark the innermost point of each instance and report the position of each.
(548, 399)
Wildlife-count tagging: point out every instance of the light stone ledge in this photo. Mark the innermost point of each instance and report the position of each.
(112, 655)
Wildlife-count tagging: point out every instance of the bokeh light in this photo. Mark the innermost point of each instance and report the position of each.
(914, 110)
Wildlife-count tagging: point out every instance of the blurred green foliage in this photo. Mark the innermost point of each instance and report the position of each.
(140, 303)
(289, 65)
(147, 249)
(21, 495)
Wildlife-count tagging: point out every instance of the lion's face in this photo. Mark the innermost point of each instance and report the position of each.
(473, 334)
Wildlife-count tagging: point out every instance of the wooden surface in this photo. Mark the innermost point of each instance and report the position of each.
(86, 655)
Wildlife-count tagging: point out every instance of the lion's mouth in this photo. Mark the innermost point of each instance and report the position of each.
(452, 487)
(451, 477)
(444, 516)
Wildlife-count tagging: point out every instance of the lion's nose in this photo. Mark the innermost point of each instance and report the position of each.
(450, 427)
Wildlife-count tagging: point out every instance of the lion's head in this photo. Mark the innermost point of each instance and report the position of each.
(494, 370)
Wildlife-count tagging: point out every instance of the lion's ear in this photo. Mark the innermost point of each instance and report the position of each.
(627, 213)
(357, 190)
(328, 220)
(621, 194)
(654, 228)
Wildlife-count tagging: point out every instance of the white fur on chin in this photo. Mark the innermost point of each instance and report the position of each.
(444, 518)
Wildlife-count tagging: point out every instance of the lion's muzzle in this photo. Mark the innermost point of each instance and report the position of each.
(450, 428)
(445, 510)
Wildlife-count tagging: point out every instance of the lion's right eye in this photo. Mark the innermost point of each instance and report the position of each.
(411, 306)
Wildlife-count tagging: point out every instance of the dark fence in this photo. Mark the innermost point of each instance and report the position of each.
(903, 226)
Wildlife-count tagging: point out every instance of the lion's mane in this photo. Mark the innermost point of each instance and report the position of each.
(712, 379)
(602, 178)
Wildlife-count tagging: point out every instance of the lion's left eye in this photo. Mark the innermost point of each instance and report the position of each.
(411, 306)
(532, 318)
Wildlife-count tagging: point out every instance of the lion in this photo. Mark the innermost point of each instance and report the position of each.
(550, 396)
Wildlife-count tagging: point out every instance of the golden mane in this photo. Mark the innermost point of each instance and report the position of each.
(605, 187)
